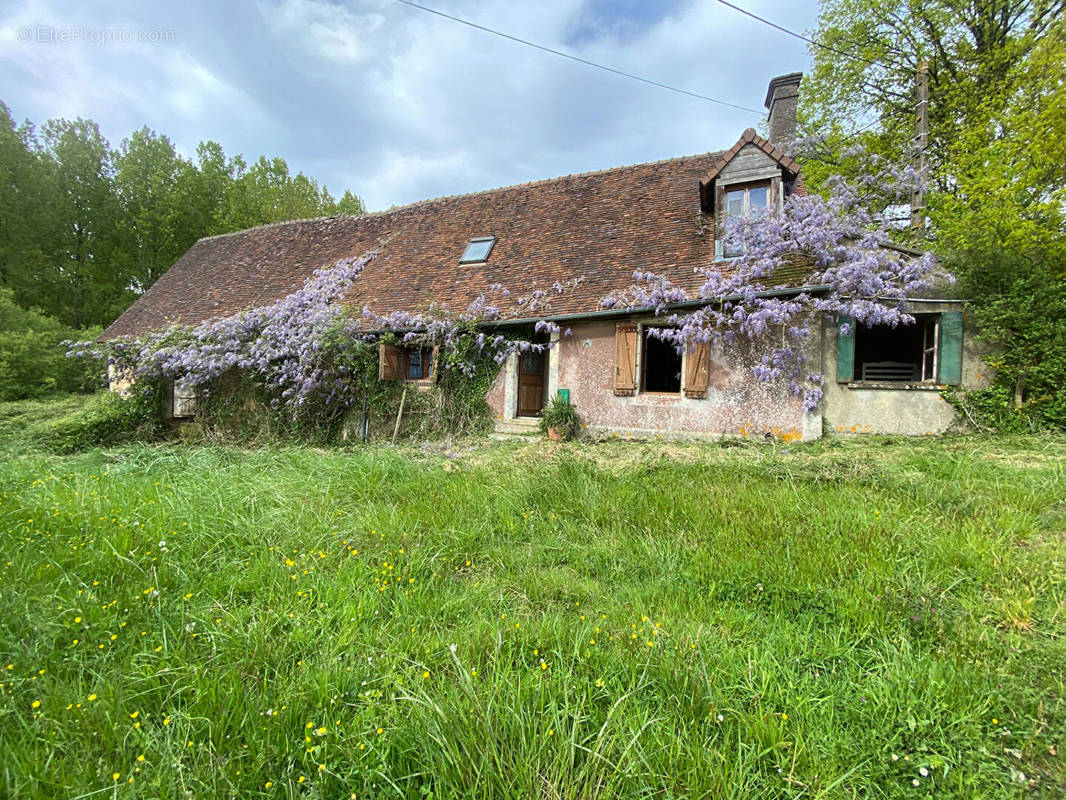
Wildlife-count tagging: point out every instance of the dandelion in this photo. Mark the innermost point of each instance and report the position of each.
(35, 704)
(77, 620)
(301, 779)
(140, 757)
(166, 720)
(116, 775)
(551, 732)
(425, 674)
(784, 717)
(321, 731)
(268, 784)
(321, 767)
(995, 721)
(92, 697)
(380, 731)
(135, 714)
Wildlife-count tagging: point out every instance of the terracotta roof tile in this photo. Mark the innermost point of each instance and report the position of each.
(601, 226)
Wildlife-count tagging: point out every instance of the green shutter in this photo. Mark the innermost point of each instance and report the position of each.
(950, 348)
(845, 350)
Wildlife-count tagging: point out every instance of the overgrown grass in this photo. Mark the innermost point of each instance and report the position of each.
(841, 619)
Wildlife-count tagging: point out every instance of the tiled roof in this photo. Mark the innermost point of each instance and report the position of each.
(750, 137)
(601, 226)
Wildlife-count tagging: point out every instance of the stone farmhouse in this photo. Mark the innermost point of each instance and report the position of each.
(601, 227)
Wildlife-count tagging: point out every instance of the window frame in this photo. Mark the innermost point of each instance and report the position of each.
(183, 396)
(642, 361)
(721, 213)
(464, 259)
(927, 363)
(429, 364)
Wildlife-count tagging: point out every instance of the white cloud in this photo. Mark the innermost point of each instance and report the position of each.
(327, 30)
(397, 104)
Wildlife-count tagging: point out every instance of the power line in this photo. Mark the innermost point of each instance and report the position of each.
(799, 36)
(579, 59)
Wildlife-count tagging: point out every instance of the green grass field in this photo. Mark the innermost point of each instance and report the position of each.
(862, 618)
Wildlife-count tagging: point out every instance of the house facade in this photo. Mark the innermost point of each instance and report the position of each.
(592, 232)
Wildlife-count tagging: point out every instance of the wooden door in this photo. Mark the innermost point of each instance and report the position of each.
(530, 384)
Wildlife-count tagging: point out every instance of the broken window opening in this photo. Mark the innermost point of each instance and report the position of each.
(904, 354)
(660, 365)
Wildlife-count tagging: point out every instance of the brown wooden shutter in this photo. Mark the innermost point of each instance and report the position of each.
(388, 362)
(696, 368)
(625, 359)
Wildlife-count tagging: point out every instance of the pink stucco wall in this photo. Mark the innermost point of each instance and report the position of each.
(495, 396)
(736, 402)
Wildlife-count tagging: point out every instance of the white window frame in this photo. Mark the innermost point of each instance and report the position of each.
(771, 202)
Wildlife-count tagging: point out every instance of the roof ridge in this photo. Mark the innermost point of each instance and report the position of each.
(442, 198)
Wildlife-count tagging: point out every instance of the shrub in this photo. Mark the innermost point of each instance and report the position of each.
(105, 419)
(33, 361)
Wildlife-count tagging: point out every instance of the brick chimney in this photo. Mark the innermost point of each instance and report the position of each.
(782, 99)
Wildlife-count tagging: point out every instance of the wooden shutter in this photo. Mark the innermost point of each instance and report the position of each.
(845, 350)
(388, 362)
(949, 349)
(625, 358)
(696, 368)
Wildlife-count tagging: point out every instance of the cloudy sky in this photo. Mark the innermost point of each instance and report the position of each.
(397, 104)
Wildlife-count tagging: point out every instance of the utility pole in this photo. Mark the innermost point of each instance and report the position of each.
(921, 144)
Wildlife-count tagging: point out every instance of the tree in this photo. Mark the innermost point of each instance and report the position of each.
(89, 278)
(156, 188)
(997, 142)
(28, 213)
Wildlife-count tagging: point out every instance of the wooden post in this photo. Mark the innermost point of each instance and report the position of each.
(399, 416)
(921, 143)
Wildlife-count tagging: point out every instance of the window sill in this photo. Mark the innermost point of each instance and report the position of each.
(906, 385)
(661, 395)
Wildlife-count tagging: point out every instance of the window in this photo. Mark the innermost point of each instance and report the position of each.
(478, 250)
(737, 202)
(396, 363)
(183, 400)
(904, 354)
(660, 364)
(419, 363)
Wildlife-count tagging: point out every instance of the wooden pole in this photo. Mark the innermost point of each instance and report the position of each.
(921, 143)
(399, 416)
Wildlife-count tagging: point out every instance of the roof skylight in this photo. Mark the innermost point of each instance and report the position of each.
(478, 249)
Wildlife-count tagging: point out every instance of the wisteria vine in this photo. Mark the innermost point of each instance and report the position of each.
(843, 245)
(299, 349)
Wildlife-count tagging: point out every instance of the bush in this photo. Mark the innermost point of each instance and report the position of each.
(33, 360)
(105, 419)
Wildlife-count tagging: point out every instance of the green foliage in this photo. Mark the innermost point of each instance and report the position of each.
(103, 420)
(33, 360)
(826, 623)
(997, 145)
(561, 415)
(85, 228)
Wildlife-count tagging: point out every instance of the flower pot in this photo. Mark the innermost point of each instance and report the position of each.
(556, 434)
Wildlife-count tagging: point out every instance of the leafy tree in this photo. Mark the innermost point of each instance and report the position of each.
(997, 142)
(164, 215)
(88, 278)
(28, 210)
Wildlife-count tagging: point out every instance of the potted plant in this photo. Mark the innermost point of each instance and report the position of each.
(559, 419)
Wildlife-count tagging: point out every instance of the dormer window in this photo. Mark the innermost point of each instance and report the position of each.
(478, 250)
(740, 201)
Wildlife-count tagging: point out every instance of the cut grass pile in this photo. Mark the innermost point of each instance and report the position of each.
(842, 619)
